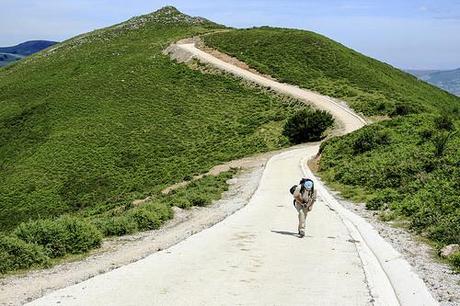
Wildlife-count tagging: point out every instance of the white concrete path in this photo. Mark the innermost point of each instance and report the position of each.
(254, 256)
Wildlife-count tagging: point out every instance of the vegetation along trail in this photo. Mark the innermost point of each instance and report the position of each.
(341, 261)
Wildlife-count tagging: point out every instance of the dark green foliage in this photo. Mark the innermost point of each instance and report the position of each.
(16, 254)
(116, 226)
(369, 138)
(150, 216)
(403, 109)
(444, 122)
(306, 125)
(144, 219)
(315, 62)
(455, 260)
(67, 235)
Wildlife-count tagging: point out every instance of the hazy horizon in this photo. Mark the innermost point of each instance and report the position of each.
(416, 35)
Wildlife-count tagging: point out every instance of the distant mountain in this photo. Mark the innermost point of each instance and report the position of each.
(6, 58)
(448, 80)
(28, 47)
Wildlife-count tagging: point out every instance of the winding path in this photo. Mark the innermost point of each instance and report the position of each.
(254, 256)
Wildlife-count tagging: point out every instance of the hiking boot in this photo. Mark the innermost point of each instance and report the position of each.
(301, 234)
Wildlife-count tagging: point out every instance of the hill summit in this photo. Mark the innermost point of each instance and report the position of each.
(168, 15)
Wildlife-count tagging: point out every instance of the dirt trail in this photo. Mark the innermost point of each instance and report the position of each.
(254, 257)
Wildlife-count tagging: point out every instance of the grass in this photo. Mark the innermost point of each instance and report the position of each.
(407, 167)
(106, 118)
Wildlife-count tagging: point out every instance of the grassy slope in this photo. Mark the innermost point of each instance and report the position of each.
(394, 165)
(315, 62)
(105, 118)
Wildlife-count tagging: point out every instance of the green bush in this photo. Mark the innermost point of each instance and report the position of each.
(307, 125)
(454, 259)
(404, 109)
(116, 226)
(67, 235)
(16, 254)
(369, 138)
(200, 200)
(144, 219)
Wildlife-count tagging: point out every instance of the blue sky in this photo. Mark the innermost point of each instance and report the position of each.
(421, 34)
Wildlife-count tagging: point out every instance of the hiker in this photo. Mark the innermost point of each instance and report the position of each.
(304, 197)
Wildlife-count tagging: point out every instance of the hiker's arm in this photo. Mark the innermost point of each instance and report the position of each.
(297, 195)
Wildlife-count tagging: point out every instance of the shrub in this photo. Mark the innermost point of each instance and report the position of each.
(67, 235)
(16, 254)
(81, 236)
(144, 219)
(307, 125)
(454, 259)
(163, 210)
(368, 139)
(404, 109)
(116, 226)
(149, 216)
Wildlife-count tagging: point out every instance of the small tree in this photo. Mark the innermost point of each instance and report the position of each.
(306, 125)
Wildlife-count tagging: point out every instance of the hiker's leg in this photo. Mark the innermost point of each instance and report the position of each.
(301, 221)
(305, 214)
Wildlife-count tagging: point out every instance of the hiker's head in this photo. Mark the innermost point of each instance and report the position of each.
(308, 184)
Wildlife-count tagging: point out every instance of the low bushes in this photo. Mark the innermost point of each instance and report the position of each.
(116, 226)
(16, 254)
(67, 235)
(306, 125)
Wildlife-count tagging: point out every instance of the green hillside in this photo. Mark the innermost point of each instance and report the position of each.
(105, 118)
(407, 167)
(315, 62)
